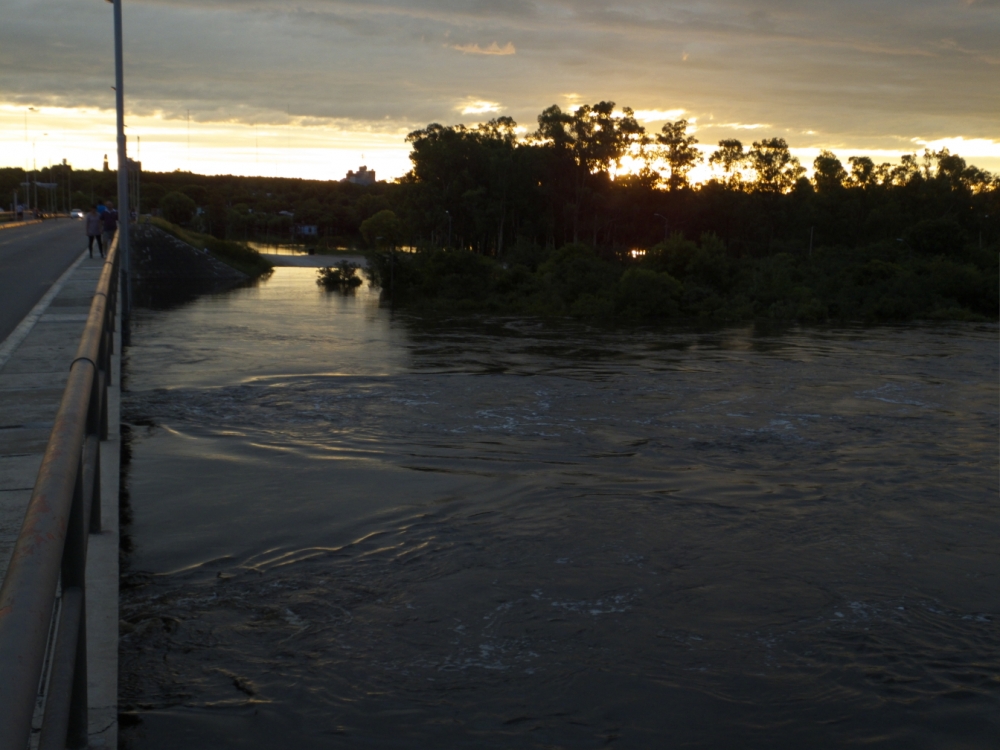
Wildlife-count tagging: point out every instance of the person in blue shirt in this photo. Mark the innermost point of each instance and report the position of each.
(109, 220)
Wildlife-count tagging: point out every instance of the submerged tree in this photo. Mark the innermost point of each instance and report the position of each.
(343, 276)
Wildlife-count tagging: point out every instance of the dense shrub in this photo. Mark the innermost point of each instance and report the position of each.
(177, 208)
(642, 294)
(680, 278)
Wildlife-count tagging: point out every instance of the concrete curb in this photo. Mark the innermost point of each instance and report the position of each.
(14, 224)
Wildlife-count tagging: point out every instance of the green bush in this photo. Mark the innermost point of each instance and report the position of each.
(936, 237)
(177, 208)
(573, 271)
(672, 256)
(642, 294)
(883, 282)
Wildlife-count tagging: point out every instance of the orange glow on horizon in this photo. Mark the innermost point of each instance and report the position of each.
(301, 148)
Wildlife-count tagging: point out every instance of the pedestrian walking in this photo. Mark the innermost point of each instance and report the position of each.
(93, 225)
(110, 222)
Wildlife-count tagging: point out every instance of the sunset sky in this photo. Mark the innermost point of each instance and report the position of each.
(317, 87)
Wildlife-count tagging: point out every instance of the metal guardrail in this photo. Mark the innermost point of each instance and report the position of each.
(48, 565)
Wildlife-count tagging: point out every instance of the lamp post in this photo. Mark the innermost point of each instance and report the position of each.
(448, 214)
(666, 226)
(123, 206)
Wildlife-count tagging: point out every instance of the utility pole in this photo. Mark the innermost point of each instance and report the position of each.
(138, 176)
(27, 178)
(123, 209)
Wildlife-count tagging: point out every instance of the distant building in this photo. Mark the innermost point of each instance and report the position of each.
(106, 167)
(307, 230)
(363, 176)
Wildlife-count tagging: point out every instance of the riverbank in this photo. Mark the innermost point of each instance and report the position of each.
(237, 255)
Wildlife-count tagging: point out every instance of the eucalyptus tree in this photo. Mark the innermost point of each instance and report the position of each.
(732, 159)
(829, 174)
(587, 144)
(464, 177)
(863, 172)
(677, 149)
(776, 170)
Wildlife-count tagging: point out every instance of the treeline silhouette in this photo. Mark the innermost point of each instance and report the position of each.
(543, 225)
(550, 222)
(491, 188)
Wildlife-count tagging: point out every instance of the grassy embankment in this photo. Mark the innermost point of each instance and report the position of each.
(680, 279)
(234, 254)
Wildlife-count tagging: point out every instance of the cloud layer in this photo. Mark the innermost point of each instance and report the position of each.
(849, 74)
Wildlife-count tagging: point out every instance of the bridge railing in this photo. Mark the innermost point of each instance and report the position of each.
(39, 654)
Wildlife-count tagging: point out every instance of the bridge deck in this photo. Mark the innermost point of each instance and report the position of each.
(34, 365)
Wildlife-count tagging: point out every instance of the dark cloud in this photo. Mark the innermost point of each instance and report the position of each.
(863, 72)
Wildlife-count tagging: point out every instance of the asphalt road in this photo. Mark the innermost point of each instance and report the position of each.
(31, 259)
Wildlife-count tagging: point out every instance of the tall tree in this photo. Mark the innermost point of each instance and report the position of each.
(863, 172)
(595, 135)
(596, 139)
(678, 151)
(775, 167)
(731, 157)
(830, 174)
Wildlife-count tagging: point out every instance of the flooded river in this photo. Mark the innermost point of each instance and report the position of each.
(357, 530)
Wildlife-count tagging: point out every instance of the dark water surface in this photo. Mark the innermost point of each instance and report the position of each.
(356, 531)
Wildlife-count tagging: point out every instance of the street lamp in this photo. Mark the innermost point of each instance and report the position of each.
(666, 226)
(448, 214)
(123, 206)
